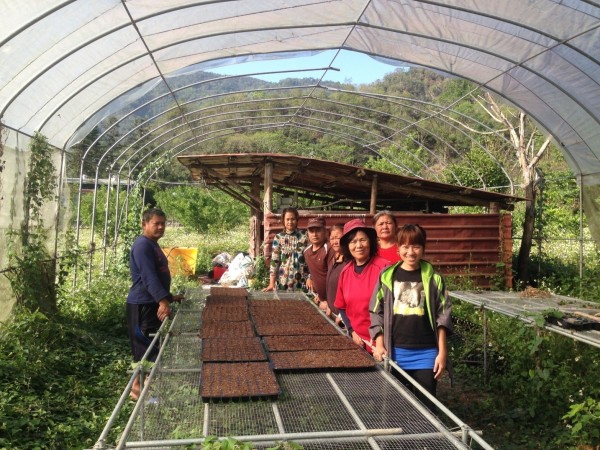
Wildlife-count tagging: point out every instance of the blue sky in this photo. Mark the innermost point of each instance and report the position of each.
(354, 67)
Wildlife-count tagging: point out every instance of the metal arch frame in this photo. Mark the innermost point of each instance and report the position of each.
(188, 124)
(317, 99)
(142, 18)
(228, 131)
(449, 122)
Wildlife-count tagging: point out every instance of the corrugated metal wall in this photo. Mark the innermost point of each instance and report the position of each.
(475, 250)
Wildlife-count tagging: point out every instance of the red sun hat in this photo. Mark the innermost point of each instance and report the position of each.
(358, 225)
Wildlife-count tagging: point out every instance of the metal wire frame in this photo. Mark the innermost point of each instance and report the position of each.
(354, 24)
(188, 124)
(358, 420)
(194, 143)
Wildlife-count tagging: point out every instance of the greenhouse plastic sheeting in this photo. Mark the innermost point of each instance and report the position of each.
(62, 62)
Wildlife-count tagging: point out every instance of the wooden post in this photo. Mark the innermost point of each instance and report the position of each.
(268, 196)
(373, 206)
(255, 222)
(267, 202)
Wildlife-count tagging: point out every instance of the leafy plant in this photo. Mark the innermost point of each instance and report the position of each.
(32, 269)
(201, 210)
(260, 279)
(583, 419)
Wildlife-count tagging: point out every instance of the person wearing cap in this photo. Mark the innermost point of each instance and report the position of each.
(358, 279)
(288, 269)
(317, 256)
(386, 226)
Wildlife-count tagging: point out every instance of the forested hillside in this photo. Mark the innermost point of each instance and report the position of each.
(445, 134)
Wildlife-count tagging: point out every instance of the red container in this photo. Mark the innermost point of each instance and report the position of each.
(218, 272)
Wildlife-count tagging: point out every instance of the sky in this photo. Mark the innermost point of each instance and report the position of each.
(355, 68)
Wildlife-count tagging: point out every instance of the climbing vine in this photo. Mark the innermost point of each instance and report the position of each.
(32, 269)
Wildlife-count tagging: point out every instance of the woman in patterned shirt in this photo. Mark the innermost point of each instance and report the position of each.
(288, 269)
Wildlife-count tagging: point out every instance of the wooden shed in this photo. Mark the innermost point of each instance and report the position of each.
(477, 247)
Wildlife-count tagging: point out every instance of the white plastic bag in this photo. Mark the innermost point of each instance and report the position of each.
(237, 273)
(222, 259)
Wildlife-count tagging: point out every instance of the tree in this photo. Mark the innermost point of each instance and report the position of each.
(529, 148)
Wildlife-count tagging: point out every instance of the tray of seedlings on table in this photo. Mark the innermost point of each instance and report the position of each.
(232, 350)
(316, 359)
(218, 313)
(226, 329)
(238, 381)
(231, 302)
(229, 292)
(297, 343)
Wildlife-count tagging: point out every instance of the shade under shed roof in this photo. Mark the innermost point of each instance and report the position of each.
(332, 183)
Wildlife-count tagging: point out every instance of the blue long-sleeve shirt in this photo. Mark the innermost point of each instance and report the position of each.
(150, 276)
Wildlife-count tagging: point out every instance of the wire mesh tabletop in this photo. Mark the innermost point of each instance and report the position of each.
(526, 308)
(327, 410)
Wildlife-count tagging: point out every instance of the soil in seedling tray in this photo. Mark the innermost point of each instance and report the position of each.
(232, 350)
(225, 314)
(296, 343)
(292, 329)
(226, 329)
(274, 319)
(322, 359)
(284, 305)
(231, 302)
(238, 381)
(228, 292)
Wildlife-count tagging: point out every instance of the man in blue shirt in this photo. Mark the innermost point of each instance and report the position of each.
(149, 297)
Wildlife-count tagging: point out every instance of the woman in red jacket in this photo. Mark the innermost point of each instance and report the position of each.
(358, 279)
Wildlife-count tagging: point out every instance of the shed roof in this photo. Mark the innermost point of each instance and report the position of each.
(333, 183)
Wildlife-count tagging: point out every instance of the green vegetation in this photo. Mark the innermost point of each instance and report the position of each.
(66, 353)
(541, 389)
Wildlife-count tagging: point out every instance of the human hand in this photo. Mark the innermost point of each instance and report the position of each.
(379, 352)
(164, 310)
(439, 366)
(357, 339)
(270, 287)
(323, 305)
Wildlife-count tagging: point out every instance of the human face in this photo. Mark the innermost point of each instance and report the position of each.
(360, 247)
(154, 228)
(411, 255)
(290, 222)
(385, 228)
(334, 239)
(317, 236)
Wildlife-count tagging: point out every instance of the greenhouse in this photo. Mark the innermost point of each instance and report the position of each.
(483, 112)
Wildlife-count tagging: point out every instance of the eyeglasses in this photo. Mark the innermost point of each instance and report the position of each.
(361, 241)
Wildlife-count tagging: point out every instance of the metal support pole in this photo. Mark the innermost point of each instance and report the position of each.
(485, 345)
(580, 234)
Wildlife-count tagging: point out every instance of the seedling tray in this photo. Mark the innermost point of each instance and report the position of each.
(322, 360)
(295, 329)
(236, 302)
(225, 314)
(226, 329)
(238, 381)
(219, 291)
(297, 343)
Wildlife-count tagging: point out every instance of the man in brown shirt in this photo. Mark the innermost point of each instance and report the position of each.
(317, 255)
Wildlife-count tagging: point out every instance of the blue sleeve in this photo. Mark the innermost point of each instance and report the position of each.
(346, 321)
(149, 271)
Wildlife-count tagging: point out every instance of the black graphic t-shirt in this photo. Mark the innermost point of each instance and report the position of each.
(411, 328)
